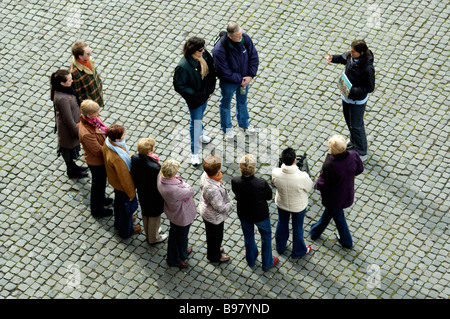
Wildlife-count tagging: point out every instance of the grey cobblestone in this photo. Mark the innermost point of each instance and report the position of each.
(400, 217)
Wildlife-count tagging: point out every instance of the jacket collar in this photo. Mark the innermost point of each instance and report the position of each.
(291, 169)
(84, 68)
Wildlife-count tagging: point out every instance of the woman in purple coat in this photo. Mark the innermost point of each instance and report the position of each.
(180, 209)
(336, 184)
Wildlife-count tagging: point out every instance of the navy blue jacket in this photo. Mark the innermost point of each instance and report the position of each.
(361, 75)
(233, 63)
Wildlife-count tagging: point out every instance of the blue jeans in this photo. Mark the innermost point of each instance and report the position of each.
(354, 117)
(196, 127)
(282, 233)
(228, 90)
(251, 250)
(123, 221)
(341, 225)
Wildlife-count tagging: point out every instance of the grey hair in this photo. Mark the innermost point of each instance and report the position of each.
(233, 27)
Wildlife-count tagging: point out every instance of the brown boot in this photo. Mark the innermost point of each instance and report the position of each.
(137, 230)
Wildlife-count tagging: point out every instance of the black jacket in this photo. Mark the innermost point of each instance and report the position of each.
(252, 195)
(361, 75)
(188, 82)
(144, 170)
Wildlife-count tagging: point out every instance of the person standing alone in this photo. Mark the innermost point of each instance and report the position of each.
(360, 72)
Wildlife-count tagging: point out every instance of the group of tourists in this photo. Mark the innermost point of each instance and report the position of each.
(141, 180)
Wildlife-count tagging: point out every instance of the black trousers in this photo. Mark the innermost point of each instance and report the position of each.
(98, 188)
(214, 237)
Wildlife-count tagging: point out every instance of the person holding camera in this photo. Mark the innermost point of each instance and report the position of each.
(292, 188)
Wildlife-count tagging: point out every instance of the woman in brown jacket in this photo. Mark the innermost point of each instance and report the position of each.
(67, 116)
(118, 164)
(92, 136)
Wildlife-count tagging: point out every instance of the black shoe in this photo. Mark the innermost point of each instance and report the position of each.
(109, 201)
(106, 212)
(77, 174)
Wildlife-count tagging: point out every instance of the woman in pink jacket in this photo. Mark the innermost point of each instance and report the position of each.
(180, 209)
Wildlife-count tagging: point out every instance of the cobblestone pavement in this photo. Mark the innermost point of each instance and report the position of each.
(52, 248)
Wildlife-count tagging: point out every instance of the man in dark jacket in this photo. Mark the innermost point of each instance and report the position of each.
(236, 62)
(252, 195)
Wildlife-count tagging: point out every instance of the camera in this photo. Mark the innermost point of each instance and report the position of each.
(301, 163)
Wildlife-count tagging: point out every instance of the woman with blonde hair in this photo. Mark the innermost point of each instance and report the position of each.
(180, 209)
(252, 194)
(336, 184)
(145, 168)
(92, 136)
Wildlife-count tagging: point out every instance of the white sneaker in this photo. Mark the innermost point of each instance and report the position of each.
(195, 160)
(363, 158)
(229, 135)
(248, 131)
(205, 139)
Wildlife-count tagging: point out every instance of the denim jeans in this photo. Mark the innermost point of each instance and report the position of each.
(341, 225)
(177, 244)
(196, 127)
(228, 90)
(122, 220)
(282, 233)
(251, 250)
(98, 186)
(354, 117)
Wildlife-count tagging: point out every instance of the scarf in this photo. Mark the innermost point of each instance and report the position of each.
(204, 70)
(217, 177)
(97, 122)
(153, 156)
(124, 155)
(69, 90)
(85, 63)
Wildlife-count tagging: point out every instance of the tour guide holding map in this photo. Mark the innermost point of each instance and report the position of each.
(360, 72)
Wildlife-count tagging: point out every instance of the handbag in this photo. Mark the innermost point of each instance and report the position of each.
(131, 206)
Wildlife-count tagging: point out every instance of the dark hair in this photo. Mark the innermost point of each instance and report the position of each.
(193, 44)
(361, 47)
(288, 156)
(115, 132)
(55, 81)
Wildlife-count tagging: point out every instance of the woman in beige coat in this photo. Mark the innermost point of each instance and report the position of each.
(291, 198)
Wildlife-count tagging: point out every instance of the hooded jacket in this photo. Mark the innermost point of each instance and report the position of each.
(234, 62)
(292, 187)
(361, 75)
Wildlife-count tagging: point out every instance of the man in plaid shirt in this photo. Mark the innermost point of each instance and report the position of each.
(86, 80)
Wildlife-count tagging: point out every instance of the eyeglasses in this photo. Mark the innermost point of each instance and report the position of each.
(201, 50)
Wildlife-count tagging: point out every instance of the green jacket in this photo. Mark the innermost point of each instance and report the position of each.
(86, 82)
(188, 82)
